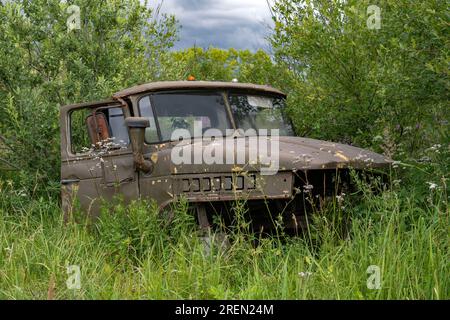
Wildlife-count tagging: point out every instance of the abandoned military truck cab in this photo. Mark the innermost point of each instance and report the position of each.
(208, 142)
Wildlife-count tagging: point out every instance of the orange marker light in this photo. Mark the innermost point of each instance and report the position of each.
(191, 78)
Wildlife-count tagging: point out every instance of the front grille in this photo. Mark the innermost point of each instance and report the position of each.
(218, 183)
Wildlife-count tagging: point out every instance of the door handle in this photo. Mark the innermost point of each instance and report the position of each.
(69, 181)
(115, 183)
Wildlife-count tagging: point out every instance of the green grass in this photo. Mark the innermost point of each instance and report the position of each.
(133, 254)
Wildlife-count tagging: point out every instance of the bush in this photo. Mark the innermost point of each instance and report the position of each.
(44, 66)
(383, 88)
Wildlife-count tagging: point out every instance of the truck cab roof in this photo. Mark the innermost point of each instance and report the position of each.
(176, 85)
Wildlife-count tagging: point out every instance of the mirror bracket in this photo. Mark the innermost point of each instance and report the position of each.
(136, 126)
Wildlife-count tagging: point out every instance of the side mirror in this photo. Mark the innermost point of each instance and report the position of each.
(137, 127)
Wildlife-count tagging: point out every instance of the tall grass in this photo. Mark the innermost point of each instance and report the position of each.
(132, 253)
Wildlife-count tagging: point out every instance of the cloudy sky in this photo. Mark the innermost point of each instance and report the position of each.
(241, 24)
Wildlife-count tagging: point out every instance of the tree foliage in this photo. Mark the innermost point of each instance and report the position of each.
(354, 83)
(222, 65)
(44, 65)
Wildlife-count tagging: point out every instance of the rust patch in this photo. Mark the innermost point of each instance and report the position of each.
(340, 155)
(154, 157)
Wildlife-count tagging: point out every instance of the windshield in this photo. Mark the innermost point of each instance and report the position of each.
(260, 112)
(197, 112)
(184, 111)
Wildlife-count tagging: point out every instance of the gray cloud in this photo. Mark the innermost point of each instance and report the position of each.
(228, 23)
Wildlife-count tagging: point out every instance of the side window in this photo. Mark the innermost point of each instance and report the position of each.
(118, 127)
(92, 128)
(151, 133)
(79, 134)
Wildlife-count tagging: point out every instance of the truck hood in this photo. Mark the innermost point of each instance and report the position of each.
(305, 153)
(295, 153)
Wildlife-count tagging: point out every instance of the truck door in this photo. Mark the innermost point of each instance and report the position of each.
(96, 156)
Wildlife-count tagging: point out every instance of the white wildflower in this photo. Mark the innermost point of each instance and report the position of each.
(435, 147)
(307, 188)
(424, 159)
(340, 197)
(305, 274)
(378, 138)
(395, 164)
(432, 185)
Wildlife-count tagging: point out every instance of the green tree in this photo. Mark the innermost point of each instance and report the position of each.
(222, 65)
(354, 83)
(44, 65)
